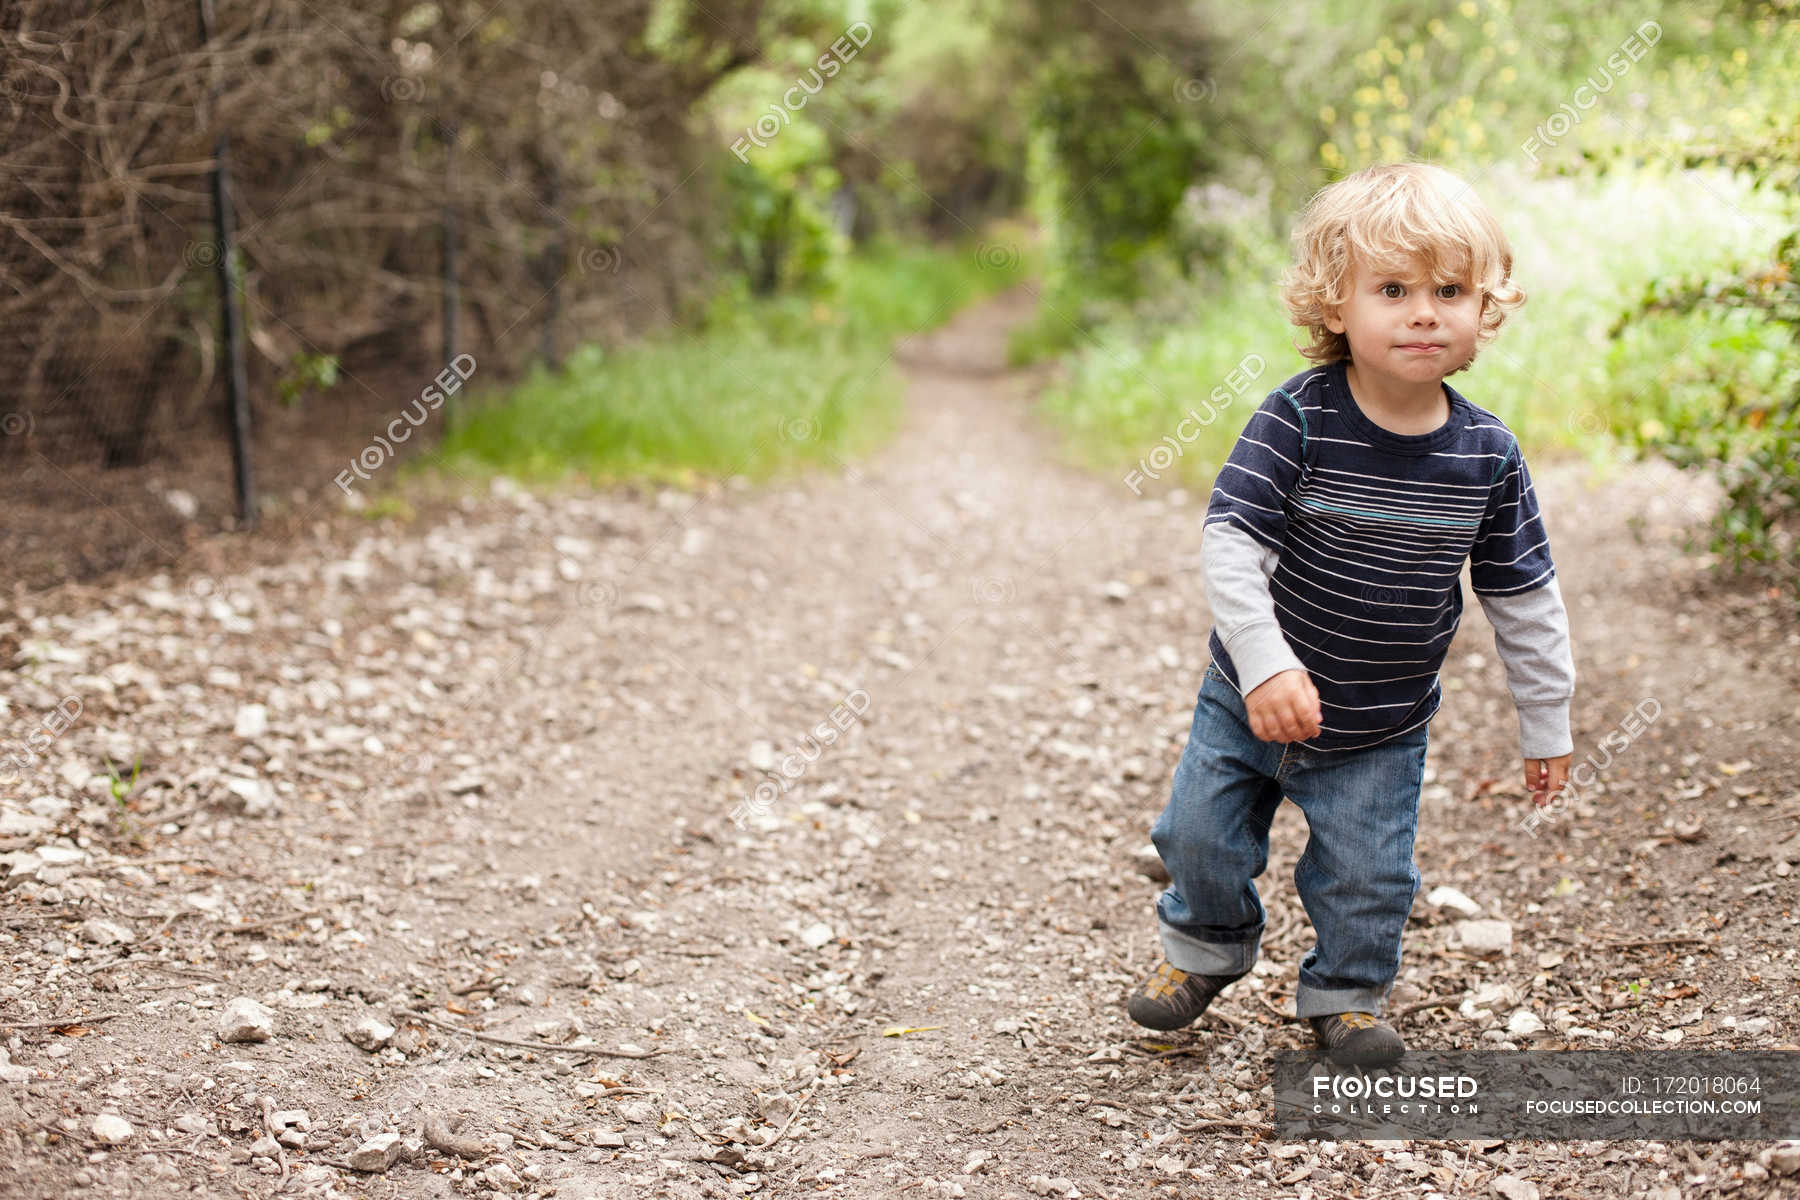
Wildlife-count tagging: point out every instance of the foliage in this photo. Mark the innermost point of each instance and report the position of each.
(769, 385)
(1733, 408)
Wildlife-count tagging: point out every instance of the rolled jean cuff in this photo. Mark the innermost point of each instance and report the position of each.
(1196, 957)
(1318, 1002)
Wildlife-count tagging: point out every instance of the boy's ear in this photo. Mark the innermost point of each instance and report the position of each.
(1334, 320)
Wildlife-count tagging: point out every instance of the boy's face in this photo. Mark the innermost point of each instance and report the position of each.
(1403, 327)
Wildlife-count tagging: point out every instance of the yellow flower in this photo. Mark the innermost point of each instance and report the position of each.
(1360, 119)
(1468, 9)
(1328, 115)
(1650, 429)
(1507, 75)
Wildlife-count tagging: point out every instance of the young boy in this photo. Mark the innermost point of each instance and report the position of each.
(1334, 545)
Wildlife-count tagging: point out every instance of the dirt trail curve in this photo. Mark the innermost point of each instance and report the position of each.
(485, 771)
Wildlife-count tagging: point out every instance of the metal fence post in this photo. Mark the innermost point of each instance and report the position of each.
(237, 386)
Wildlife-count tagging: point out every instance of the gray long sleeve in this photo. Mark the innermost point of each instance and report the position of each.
(1237, 569)
(1531, 634)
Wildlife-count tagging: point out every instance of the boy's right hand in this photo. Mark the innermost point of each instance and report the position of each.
(1284, 707)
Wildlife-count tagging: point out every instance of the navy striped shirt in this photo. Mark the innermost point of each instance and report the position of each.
(1372, 529)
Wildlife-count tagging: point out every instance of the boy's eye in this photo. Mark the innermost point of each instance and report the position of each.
(1449, 290)
(1392, 291)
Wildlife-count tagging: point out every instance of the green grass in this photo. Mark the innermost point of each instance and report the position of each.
(764, 388)
(1584, 250)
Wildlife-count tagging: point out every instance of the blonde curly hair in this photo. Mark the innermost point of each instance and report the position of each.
(1390, 217)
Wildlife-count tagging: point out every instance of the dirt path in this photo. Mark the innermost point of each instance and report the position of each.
(492, 782)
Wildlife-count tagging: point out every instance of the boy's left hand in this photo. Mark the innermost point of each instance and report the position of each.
(1545, 777)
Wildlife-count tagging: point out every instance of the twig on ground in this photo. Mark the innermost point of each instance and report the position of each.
(1640, 943)
(518, 1043)
(62, 1021)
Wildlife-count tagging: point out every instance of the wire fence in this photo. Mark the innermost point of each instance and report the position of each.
(235, 246)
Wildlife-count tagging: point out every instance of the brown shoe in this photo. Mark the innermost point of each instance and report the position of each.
(1171, 998)
(1356, 1039)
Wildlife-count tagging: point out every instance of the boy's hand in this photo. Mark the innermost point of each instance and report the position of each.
(1545, 777)
(1285, 708)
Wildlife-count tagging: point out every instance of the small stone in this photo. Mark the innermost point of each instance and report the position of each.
(252, 721)
(562, 1029)
(1485, 937)
(111, 1128)
(10, 1073)
(1785, 1158)
(1150, 864)
(1524, 1023)
(106, 933)
(377, 1154)
(606, 1139)
(775, 1106)
(1513, 1187)
(265, 1147)
(1449, 897)
(638, 1112)
(816, 935)
(244, 1020)
(370, 1033)
(1117, 590)
(503, 1177)
(255, 795)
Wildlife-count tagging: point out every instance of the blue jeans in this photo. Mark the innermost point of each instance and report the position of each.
(1356, 876)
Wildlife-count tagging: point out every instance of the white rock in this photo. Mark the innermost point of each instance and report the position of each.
(1485, 937)
(244, 1020)
(1150, 864)
(106, 933)
(1515, 1188)
(1449, 897)
(21, 824)
(10, 1073)
(252, 721)
(1523, 1023)
(111, 1128)
(816, 935)
(377, 1154)
(257, 797)
(1785, 1158)
(370, 1033)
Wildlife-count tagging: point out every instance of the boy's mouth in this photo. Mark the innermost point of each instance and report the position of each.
(1421, 347)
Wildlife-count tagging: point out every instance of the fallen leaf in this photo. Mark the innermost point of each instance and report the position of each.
(898, 1030)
